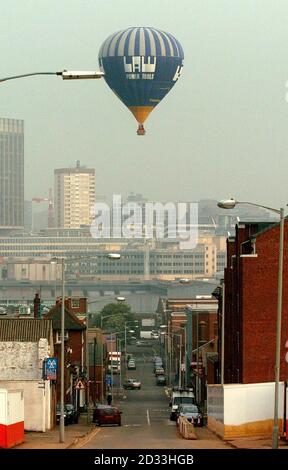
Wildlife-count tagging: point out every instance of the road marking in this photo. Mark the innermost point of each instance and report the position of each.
(148, 418)
(161, 410)
(131, 425)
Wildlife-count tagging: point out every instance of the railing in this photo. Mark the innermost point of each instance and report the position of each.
(186, 428)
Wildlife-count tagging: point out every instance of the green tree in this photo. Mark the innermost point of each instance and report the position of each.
(115, 315)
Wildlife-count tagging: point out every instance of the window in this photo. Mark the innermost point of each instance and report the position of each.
(58, 336)
(202, 330)
(75, 303)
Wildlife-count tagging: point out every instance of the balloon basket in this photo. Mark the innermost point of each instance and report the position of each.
(141, 130)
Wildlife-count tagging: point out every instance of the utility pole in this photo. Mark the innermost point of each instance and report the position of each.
(111, 366)
(62, 375)
(223, 334)
(197, 358)
(189, 342)
(180, 360)
(94, 364)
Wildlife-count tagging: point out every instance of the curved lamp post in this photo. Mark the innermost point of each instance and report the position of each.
(230, 204)
(65, 74)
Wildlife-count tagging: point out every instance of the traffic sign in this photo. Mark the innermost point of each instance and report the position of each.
(79, 385)
(50, 368)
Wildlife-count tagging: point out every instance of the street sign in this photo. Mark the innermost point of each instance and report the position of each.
(50, 368)
(108, 380)
(79, 385)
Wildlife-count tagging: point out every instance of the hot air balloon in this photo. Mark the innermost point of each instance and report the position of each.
(141, 65)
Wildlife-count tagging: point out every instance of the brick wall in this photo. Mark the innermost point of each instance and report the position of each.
(251, 307)
(73, 343)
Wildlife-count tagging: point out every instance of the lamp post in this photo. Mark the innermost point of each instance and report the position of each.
(230, 204)
(102, 356)
(62, 353)
(63, 262)
(125, 338)
(170, 335)
(185, 351)
(62, 377)
(120, 349)
(112, 335)
(65, 74)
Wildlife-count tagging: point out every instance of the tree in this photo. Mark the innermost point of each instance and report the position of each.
(115, 315)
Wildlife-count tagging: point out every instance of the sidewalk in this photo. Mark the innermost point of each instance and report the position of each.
(256, 443)
(76, 435)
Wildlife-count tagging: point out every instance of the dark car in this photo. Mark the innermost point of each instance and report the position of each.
(160, 380)
(104, 414)
(71, 415)
(192, 413)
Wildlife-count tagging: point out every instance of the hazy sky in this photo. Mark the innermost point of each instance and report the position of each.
(221, 131)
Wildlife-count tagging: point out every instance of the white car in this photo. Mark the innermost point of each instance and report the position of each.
(131, 365)
(154, 336)
(131, 384)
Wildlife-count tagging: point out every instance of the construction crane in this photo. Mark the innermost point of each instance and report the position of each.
(48, 199)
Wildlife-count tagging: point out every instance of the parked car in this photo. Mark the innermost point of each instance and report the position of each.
(160, 380)
(158, 365)
(131, 384)
(104, 414)
(155, 358)
(144, 343)
(192, 413)
(159, 371)
(131, 365)
(154, 334)
(71, 415)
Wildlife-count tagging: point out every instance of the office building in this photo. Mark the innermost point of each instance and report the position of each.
(11, 175)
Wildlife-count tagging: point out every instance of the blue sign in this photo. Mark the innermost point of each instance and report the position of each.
(50, 368)
(108, 380)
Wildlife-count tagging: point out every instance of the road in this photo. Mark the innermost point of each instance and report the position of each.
(145, 416)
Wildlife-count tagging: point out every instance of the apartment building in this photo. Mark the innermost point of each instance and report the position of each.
(74, 193)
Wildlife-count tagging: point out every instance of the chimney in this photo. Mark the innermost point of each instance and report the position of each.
(37, 302)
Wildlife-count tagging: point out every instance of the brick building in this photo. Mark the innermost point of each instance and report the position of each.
(251, 280)
(96, 361)
(193, 324)
(75, 351)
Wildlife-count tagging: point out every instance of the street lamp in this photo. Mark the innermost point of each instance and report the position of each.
(169, 335)
(230, 204)
(125, 335)
(65, 74)
(102, 357)
(112, 336)
(185, 351)
(63, 261)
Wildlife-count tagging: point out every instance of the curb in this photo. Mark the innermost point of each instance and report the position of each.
(84, 439)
